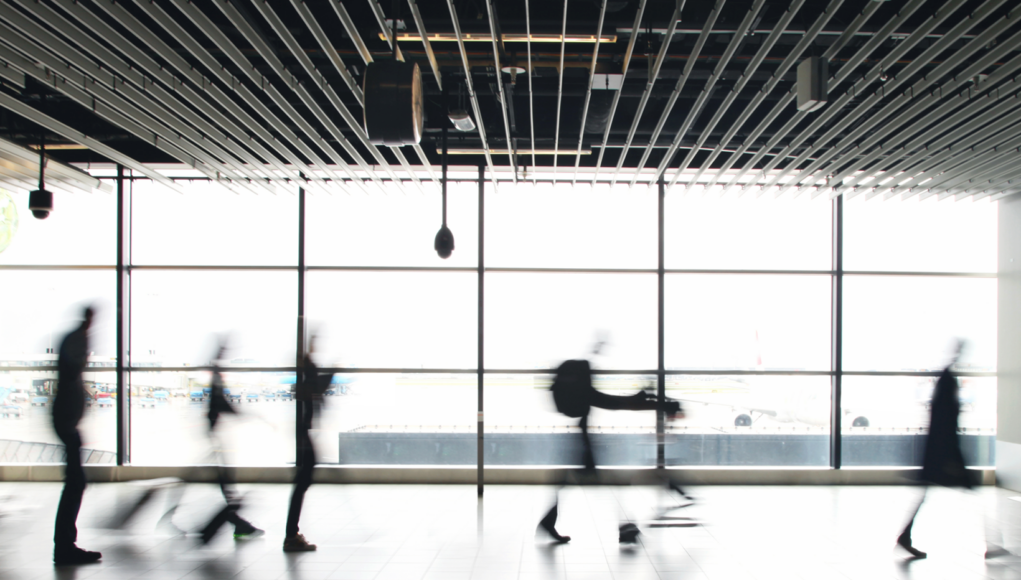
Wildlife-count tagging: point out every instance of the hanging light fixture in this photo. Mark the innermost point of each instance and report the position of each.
(40, 201)
(444, 242)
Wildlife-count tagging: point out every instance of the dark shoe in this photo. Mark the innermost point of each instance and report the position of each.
(548, 524)
(298, 543)
(629, 534)
(559, 539)
(997, 552)
(904, 541)
(75, 556)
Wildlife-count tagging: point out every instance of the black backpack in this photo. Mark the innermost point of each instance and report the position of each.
(572, 387)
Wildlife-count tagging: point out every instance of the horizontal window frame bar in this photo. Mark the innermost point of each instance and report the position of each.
(213, 268)
(523, 270)
(420, 371)
(471, 269)
(921, 274)
(62, 267)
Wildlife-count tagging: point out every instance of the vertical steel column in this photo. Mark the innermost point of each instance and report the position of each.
(123, 321)
(661, 347)
(481, 360)
(837, 327)
(299, 344)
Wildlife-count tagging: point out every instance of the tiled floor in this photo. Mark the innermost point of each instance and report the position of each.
(385, 532)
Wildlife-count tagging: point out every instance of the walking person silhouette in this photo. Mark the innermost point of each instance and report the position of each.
(575, 396)
(68, 409)
(943, 462)
(308, 394)
(219, 405)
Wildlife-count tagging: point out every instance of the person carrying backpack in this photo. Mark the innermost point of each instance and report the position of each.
(574, 396)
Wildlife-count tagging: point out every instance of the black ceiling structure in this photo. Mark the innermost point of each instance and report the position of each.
(922, 95)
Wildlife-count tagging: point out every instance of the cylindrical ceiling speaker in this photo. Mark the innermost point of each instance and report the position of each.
(393, 103)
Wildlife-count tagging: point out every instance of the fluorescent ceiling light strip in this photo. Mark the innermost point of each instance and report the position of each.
(507, 37)
(461, 151)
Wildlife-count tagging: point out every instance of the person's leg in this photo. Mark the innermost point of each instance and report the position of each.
(302, 481)
(65, 529)
(977, 502)
(549, 522)
(65, 533)
(904, 540)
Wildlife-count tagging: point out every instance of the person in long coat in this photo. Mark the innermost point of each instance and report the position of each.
(943, 462)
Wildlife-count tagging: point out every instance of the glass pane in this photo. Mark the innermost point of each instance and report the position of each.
(920, 236)
(536, 321)
(169, 425)
(885, 420)
(26, 420)
(523, 426)
(564, 226)
(750, 420)
(81, 230)
(910, 323)
(747, 321)
(396, 227)
(394, 319)
(400, 419)
(211, 225)
(178, 316)
(37, 308)
(747, 233)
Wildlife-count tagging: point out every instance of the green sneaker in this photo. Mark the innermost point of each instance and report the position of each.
(248, 535)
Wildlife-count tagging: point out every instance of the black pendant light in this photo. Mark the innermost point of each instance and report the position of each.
(444, 242)
(40, 201)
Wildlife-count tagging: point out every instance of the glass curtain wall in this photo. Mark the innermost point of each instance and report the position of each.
(920, 275)
(727, 303)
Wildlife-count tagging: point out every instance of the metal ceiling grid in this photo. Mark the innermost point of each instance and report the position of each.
(735, 42)
(810, 34)
(626, 64)
(470, 87)
(958, 58)
(845, 71)
(922, 103)
(21, 166)
(126, 114)
(753, 65)
(654, 74)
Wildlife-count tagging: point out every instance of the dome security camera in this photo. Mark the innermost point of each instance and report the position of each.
(40, 203)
